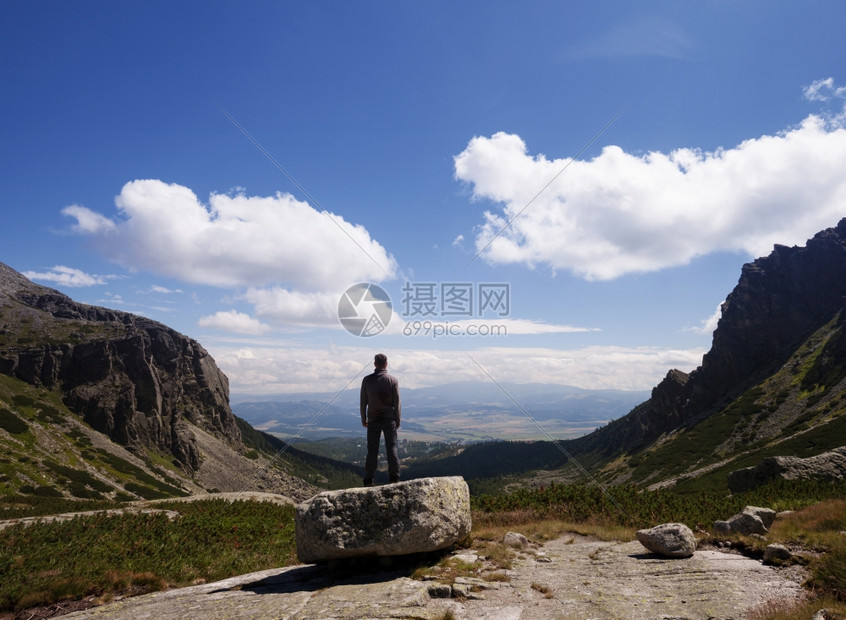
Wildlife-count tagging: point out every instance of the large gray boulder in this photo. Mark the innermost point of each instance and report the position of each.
(826, 466)
(673, 540)
(416, 516)
(777, 554)
(751, 520)
(766, 515)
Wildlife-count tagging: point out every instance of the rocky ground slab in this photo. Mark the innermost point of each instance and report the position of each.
(570, 577)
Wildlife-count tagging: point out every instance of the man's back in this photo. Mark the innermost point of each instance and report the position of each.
(380, 396)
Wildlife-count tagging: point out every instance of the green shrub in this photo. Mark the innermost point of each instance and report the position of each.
(50, 414)
(159, 488)
(12, 423)
(78, 489)
(79, 478)
(47, 491)
(145, 491)
(19, 400)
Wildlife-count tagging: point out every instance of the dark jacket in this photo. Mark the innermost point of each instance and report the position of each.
(380, 397)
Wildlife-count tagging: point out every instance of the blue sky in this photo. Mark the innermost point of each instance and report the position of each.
(230, 169)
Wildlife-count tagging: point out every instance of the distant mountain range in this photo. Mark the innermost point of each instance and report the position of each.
(469, 411)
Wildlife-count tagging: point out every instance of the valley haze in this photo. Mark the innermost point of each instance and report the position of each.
(465, 411)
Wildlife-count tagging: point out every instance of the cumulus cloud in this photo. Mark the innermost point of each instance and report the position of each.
(234, 240)
(266, 370)
(68, 276)
(622, 213)
(234, 321)
(282, 306)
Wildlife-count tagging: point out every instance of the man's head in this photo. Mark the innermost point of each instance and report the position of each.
(380, 361)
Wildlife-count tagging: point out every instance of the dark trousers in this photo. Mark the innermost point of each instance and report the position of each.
(375, 428)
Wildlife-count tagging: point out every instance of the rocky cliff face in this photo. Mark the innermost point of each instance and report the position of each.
(778, 302)
(664, 411)
(131, 378)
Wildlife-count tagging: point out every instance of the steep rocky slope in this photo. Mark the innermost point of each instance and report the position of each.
(133, 379)
(773, 383)
(778, 303)
(156, 395)
(775, 372)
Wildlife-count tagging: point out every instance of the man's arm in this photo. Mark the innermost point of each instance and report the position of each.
(363, 403)
(397, 406)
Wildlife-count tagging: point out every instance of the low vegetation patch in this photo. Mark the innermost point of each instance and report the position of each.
(106, 555)
(11, 423)
(630, 507)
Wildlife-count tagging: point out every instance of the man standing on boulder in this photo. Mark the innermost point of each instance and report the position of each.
(380, 413)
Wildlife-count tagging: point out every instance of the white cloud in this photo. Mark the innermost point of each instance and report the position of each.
(233, 321)
(235, 240)
(266, 370)
(88, 222)
(281, 306)
(621, 213)
(707, 326)
(68, 276)
(163, 290)
(824, 90)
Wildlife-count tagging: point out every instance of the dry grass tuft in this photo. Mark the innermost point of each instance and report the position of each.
(798, 610)
(494, 526)
(545, 590)
(814, 524)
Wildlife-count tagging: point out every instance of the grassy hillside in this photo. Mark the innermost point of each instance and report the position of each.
(48, 452)
(800, 410)
(320, 471)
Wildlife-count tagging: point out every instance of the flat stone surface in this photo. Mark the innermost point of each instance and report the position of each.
(585, 579)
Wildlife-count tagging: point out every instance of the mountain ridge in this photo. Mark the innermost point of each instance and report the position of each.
(773, 382)
(778, 302)
(102, 403)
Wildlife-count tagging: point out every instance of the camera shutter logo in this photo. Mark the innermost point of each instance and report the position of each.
(365, 309)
